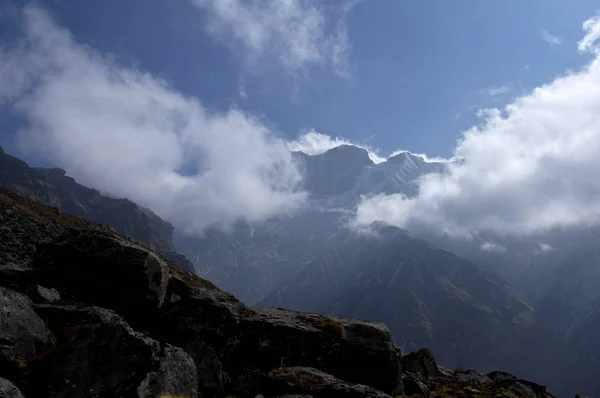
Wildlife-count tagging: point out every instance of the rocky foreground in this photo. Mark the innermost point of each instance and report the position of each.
(86, 312)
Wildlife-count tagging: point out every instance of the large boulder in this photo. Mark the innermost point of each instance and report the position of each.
(105, 270)
(22, 332)
(111, 271)
(313, 382)
(263, 339)
(97, 354)
(421, 363)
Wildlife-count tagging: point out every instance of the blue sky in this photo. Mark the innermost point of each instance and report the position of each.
(419, 69)
(191, 107)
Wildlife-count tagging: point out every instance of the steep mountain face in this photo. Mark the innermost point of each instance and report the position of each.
(428, 297)
(254, 259)
(559, 272)
(86, 312)
(333, 172)
(54, 188)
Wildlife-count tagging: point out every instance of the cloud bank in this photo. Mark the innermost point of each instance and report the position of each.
(296, 33)
(124, 131)
(529, 167)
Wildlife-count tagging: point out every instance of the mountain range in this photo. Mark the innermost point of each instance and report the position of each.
(529, 306)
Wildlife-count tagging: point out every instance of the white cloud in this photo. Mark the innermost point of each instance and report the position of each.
(550, 38)
(492, 247)
(124, 131)
(544, 247)
(589, 42)
(530, 167)
(496, 91)
(296, 33)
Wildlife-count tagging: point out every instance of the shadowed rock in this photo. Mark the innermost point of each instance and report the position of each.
(309, 381)
(8, 390)
(98, 355)
(22, 332)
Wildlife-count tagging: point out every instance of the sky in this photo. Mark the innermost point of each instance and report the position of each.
(182, 103)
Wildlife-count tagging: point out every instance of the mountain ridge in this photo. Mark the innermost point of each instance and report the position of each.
(53, 187)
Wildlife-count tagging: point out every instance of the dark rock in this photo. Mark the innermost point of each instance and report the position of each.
(295, 396)
(413, 386)
(108, 271)
(420, 363)
(43, 294)
(309, 381)
(211, 379)
(22, 332)
(512, 382)
(267, 338)
(8, 390)
(176, 375)
(98, 355)
(17, 279)
(497, 376)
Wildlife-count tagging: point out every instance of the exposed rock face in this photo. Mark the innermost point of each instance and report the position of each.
(420, 363)
(22, 332)
(313, 382)
(88, 264)
(68, 319)
(267, 338)
(97, 354)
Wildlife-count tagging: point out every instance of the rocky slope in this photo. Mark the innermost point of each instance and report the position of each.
(86, 312)
(54, 188)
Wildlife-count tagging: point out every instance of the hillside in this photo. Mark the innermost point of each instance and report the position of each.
(88, 312)
(54, 188)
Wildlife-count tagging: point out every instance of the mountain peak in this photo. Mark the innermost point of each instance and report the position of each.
(404, 156)
(349, 152)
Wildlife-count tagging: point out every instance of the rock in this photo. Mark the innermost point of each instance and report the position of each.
(106, 270)
(211, 379)
(420, 363)
(413, 386)
(18, 279)
(176, 376)
(295, 396)
(22, 332)
(520, 386)
(497, 376)
(8, 390)
(267, 338)
(97, 354)
(43, 294)
(313, 382)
